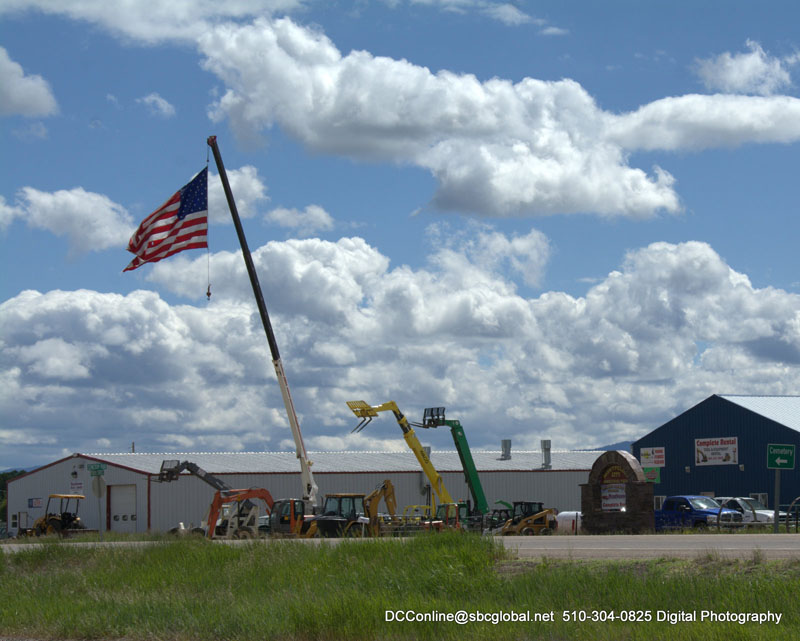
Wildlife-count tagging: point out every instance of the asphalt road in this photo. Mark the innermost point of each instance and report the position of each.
(655, 546)
(648, 546)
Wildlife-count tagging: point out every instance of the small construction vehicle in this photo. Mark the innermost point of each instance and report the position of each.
(287, 518)
(60, 516)
(530, 518)
(411, 522)
(342, 515)
(500, 515)
(449, 516)
(233, 514)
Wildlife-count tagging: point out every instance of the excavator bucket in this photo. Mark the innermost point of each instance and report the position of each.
(364, 411)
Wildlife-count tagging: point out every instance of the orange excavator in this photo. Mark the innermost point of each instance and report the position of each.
(240, 519)
(233, 513)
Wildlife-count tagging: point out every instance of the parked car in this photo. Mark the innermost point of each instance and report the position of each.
(752, 510)
(694, 511)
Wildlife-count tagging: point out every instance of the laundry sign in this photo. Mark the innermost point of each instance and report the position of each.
(722, 450)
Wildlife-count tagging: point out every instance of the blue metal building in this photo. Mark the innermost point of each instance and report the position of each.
(719, 447)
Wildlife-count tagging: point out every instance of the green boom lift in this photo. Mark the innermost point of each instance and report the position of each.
(435, 417)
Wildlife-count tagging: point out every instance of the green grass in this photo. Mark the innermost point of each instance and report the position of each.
(193, 589)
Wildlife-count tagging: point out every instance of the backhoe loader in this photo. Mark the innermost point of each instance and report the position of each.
(377, 526)
(342, 515)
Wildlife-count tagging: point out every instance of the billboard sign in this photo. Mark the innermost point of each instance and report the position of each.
(652, 457)
(652, 474)
(721, 450)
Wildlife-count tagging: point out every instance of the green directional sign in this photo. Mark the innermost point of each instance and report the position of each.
(96, 466)
(780, 457)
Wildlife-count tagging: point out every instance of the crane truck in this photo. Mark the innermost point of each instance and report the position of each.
(309, 486)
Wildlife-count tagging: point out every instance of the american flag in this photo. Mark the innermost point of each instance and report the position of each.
(180, 223)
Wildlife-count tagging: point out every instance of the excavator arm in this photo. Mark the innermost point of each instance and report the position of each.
(384, 491)
(248, 527)
(367, 412)
(171, 470)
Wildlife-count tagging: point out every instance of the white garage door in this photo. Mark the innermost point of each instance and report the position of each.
(123, 508)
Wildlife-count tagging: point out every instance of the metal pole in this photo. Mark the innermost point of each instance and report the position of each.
(309, 486)
(777, 502)
(248, 259)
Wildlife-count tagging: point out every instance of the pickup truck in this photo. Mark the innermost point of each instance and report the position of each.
(693, 511)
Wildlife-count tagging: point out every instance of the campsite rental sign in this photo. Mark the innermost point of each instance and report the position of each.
(721, 450)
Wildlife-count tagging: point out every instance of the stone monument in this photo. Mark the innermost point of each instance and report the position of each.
(617, 497)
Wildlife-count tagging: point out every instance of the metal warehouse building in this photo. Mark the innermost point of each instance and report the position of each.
(135, 501)
(719, 448)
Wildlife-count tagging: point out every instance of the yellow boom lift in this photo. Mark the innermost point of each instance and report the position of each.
(367, 412)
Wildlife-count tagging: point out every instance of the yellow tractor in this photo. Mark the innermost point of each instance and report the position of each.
(530, 518)
(59, 521)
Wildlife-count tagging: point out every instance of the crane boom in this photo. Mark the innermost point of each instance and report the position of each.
(307, 477)
(367, 413)
(434, 417)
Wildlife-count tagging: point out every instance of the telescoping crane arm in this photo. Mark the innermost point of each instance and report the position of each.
(367, 412)
(434, 417)
(171, 470)
(310, 488)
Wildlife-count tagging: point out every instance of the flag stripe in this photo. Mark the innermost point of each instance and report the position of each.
(170, 229)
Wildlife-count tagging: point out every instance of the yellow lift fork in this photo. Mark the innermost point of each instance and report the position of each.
(367, 412)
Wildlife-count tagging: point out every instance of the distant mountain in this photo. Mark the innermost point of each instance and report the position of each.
(622, 445)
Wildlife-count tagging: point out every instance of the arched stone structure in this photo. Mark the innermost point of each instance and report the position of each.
(617, 497)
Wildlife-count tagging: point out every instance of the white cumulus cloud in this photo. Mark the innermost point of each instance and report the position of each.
(90, 221)
(754, 72)
(311, 220)
(672, 325)
(495, 147)
(248, 188)
(20, 94)
(157, 105)
(154, 20)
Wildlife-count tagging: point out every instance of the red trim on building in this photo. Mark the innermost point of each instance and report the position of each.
(108, 507)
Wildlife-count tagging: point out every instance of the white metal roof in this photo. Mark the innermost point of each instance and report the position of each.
(286, 462)
(781, 409)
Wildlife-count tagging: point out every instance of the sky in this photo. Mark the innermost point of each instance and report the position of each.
(563, 220)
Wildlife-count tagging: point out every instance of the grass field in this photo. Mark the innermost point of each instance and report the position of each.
(193, 589)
